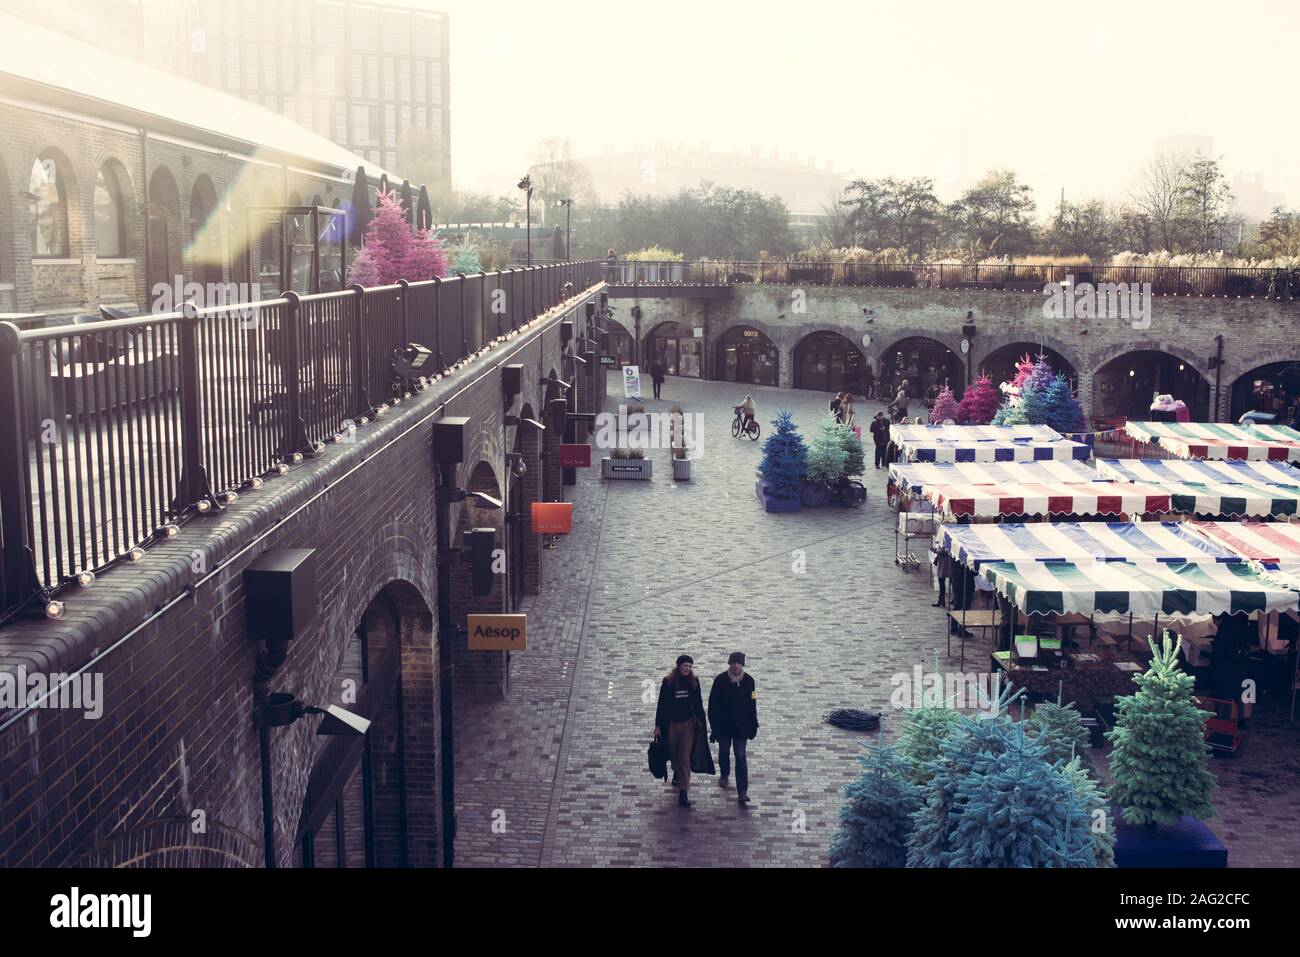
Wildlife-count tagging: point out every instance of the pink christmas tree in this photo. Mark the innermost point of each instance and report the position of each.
(979, 403)
(1024, 369)
(945, 408)
(364, 271)
(425, 259)
(1041, 375)
(389, 238)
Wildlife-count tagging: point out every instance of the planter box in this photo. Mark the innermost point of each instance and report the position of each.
(1189, 843)
(642, 469)
(681, 470)
(772, 504)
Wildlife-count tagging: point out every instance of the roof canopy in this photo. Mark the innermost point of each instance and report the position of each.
(1046, 498)
(1265, 542)
(914, 476)
(1198, 470)
(1208, 440)
(1144, 591)
(924, 434)
(942, 450)
(1081, 543)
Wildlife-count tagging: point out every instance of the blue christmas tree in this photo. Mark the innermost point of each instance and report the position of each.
(785, 459)
(1062, 409)
(1060, 728)
(876, 818)
(1094, 803)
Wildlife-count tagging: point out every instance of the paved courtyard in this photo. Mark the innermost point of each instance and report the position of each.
(556, 774)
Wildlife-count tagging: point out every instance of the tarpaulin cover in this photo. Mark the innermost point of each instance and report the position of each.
(1198, 470)
(1144, 591)
(1172, 543)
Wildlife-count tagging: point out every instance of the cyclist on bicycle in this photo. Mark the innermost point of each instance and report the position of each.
(748, 410)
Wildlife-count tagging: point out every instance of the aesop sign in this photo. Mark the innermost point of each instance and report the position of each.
(498, 632)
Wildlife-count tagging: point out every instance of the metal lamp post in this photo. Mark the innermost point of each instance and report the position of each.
(526, 184)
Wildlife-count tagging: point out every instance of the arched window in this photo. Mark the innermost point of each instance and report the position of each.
(110, 221)
(49, 208)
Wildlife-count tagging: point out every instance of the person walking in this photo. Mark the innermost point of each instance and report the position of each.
(657, 376)
(733, 716)
(846, 411)
(868, 382)
(880, 436)
(835, 406)
(899, 406)
(680, 721)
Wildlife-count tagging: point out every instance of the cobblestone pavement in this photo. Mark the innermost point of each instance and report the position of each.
(699, 567)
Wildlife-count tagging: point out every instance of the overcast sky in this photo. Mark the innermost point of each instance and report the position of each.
(1072, 96)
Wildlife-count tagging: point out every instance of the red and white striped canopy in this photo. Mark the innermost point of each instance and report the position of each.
(1046, 498)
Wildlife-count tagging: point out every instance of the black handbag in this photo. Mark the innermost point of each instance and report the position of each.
(657, 759)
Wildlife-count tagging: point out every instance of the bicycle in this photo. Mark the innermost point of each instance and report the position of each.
(847, 492)
(739, 425)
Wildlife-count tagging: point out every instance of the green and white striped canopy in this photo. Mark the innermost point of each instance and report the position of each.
(1212, 440)
(1144, 591)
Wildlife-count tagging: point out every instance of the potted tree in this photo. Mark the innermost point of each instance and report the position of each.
(781, 473)
(677, 432)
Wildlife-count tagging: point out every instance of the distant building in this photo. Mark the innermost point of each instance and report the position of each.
(1250, 197)
(663, 170)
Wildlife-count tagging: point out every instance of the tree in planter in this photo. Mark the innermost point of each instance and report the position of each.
(855, 456)
(677, 432)
(785, 458)
(876, 817)
(826, 455)
(945, 408)
(1160, 759)
(1063, 412)
(979, 403)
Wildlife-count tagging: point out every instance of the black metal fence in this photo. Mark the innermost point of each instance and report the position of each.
(111, 432)
(1229, 282)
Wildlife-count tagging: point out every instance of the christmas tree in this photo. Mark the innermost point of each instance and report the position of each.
(945, 408)
(784, 461)
(1060, 728)
(1013, 809)
(855, 456)
(389, 238)
(876, 818)
(1094, 803)
(1040, 375)
(826, 456)
(425, 259)
(1160, 759)
(1014, 410)
(465, 261)
(363, 270)
(1024, 369)
(923, 736)
(1063, 411)
(979, 403)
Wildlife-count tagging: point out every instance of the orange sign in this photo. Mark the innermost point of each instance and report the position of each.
(553, 518)
(497, 632)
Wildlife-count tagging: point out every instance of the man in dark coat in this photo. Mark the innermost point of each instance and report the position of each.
(880, 436)
(657, 376)
(680, 721)
(733, 715)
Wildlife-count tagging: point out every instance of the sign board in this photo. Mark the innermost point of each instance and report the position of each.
(552, 518)
(631, 382)
(497, 632)
(607, 360)
(576, 456)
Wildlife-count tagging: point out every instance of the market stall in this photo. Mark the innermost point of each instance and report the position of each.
(923, 434)
(1272, 545)
(1199, 470)
(1029, 450)
(952, 502)
(1211, 440)
(912, 477)
(1081, 542)
(1229, 501)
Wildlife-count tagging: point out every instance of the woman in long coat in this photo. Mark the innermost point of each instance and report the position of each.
(681, 723)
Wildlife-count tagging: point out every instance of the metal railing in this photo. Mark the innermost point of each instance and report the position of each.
(111, 431)
(1221, 281)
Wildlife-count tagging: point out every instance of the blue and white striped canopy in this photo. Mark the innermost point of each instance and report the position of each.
(925, 434)
(914, 476)
(1199, 470)
(1081, 543)
(1029, 450)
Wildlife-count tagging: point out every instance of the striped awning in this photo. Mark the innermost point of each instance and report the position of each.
(914, 476)
(1212, 440)
(989, 451)
(1081, 542)
(1046, 498)
(1144, 591)
(925, 434)
(1247, 501)
(1265, 542)
(1198, 470)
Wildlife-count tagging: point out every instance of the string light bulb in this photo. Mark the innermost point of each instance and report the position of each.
(54, 610)
(86, 579)
(137, 554)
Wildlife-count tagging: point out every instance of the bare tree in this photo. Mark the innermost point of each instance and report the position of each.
(1158, 194)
